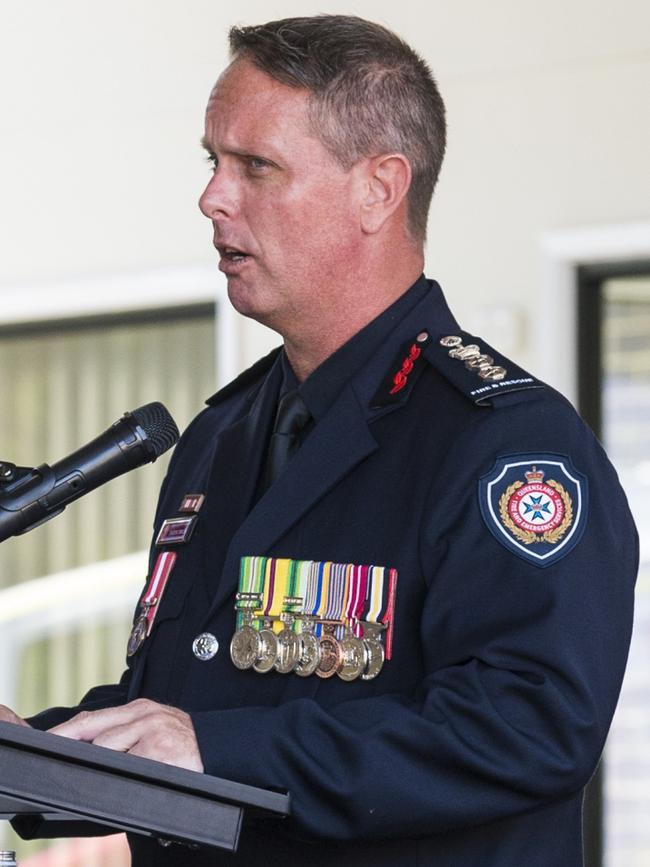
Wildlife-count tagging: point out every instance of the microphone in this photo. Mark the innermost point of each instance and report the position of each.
(29, 497)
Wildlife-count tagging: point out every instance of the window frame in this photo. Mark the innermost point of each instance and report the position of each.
(573, 262)
(119, 294)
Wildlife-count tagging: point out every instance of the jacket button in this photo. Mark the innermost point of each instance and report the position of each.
(205, 646)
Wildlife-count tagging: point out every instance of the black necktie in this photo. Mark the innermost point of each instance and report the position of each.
(290, 419)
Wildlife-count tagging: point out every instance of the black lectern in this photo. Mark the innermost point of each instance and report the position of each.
(54, 787)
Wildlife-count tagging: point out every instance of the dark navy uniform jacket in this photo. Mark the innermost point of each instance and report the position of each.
(472, 746)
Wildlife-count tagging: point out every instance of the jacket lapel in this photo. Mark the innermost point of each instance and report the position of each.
(336, 445)
(239, 453)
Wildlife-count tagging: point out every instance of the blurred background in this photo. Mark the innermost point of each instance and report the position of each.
(110, 297)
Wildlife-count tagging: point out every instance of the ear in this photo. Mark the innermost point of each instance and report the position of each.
(388, 179)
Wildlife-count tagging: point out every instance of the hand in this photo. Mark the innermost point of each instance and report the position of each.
(7, 715)
(142, 728)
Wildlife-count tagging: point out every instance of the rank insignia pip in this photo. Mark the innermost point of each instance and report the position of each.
(535, 505)
(403, 372)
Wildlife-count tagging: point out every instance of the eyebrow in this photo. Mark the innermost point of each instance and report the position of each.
(236, 152)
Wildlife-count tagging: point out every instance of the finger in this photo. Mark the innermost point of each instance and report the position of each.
(122, 737)
(183, 752)
(88, 725)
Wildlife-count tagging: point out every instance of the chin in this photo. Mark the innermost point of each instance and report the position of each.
(245, 301)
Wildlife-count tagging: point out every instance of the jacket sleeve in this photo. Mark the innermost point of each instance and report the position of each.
(523, 667)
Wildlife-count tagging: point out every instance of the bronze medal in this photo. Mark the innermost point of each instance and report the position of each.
(331, 656)
(355, 658)
(268, 651)
(245, 647)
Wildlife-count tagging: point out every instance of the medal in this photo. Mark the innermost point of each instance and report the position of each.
(138, 635)
(331, 655)
(245, 644)
(150, 601)
(275, 586)
(308, 588)
(354, 651)
(268, 649)
(313, 617)
(355, 657)
(245, 647)
(289, 650)
(374, 651)
(289, 644)
(309, 651)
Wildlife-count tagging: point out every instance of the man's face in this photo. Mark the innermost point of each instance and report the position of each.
(285, 214)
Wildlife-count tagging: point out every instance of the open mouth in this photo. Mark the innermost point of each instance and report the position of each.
(232, 254)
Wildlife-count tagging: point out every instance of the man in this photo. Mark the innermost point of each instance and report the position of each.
(509, 555)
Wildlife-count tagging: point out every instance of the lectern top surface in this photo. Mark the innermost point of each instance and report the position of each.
(89, 755)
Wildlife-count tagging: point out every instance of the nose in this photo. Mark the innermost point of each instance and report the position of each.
(219, 198)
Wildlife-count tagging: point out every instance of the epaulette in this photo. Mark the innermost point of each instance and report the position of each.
(246, 378)
(475, 368)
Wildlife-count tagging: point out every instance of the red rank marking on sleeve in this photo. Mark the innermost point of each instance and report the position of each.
(401, 377)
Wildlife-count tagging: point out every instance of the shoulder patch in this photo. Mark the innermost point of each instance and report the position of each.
(246, 378)
(535, 505)
(477, 370)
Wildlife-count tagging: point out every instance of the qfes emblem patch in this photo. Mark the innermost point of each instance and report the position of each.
(535, 505)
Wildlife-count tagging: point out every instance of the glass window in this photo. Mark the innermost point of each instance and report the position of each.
(61, 385)
(626, 435)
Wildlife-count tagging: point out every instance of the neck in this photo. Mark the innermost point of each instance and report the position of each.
(309, 344)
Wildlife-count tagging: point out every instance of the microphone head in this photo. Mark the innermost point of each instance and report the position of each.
(159, 426)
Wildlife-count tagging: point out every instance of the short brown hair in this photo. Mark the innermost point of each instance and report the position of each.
(371, 93)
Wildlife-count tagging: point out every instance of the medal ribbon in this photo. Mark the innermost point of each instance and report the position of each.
(389, 617)
(345, 593)
(156, 587)
(294, 602)
(373, 611)
(319, 579)
(276, 580)
(251, 581)
(379, 604)
(335, 606)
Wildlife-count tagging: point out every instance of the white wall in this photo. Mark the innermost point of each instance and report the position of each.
(102, 107)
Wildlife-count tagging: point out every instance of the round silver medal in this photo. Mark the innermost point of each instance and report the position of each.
(375, 651)
(205, 646)
(309, 654)
(288, 651)
(268, 651)
(355, 658)
(244, 647)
